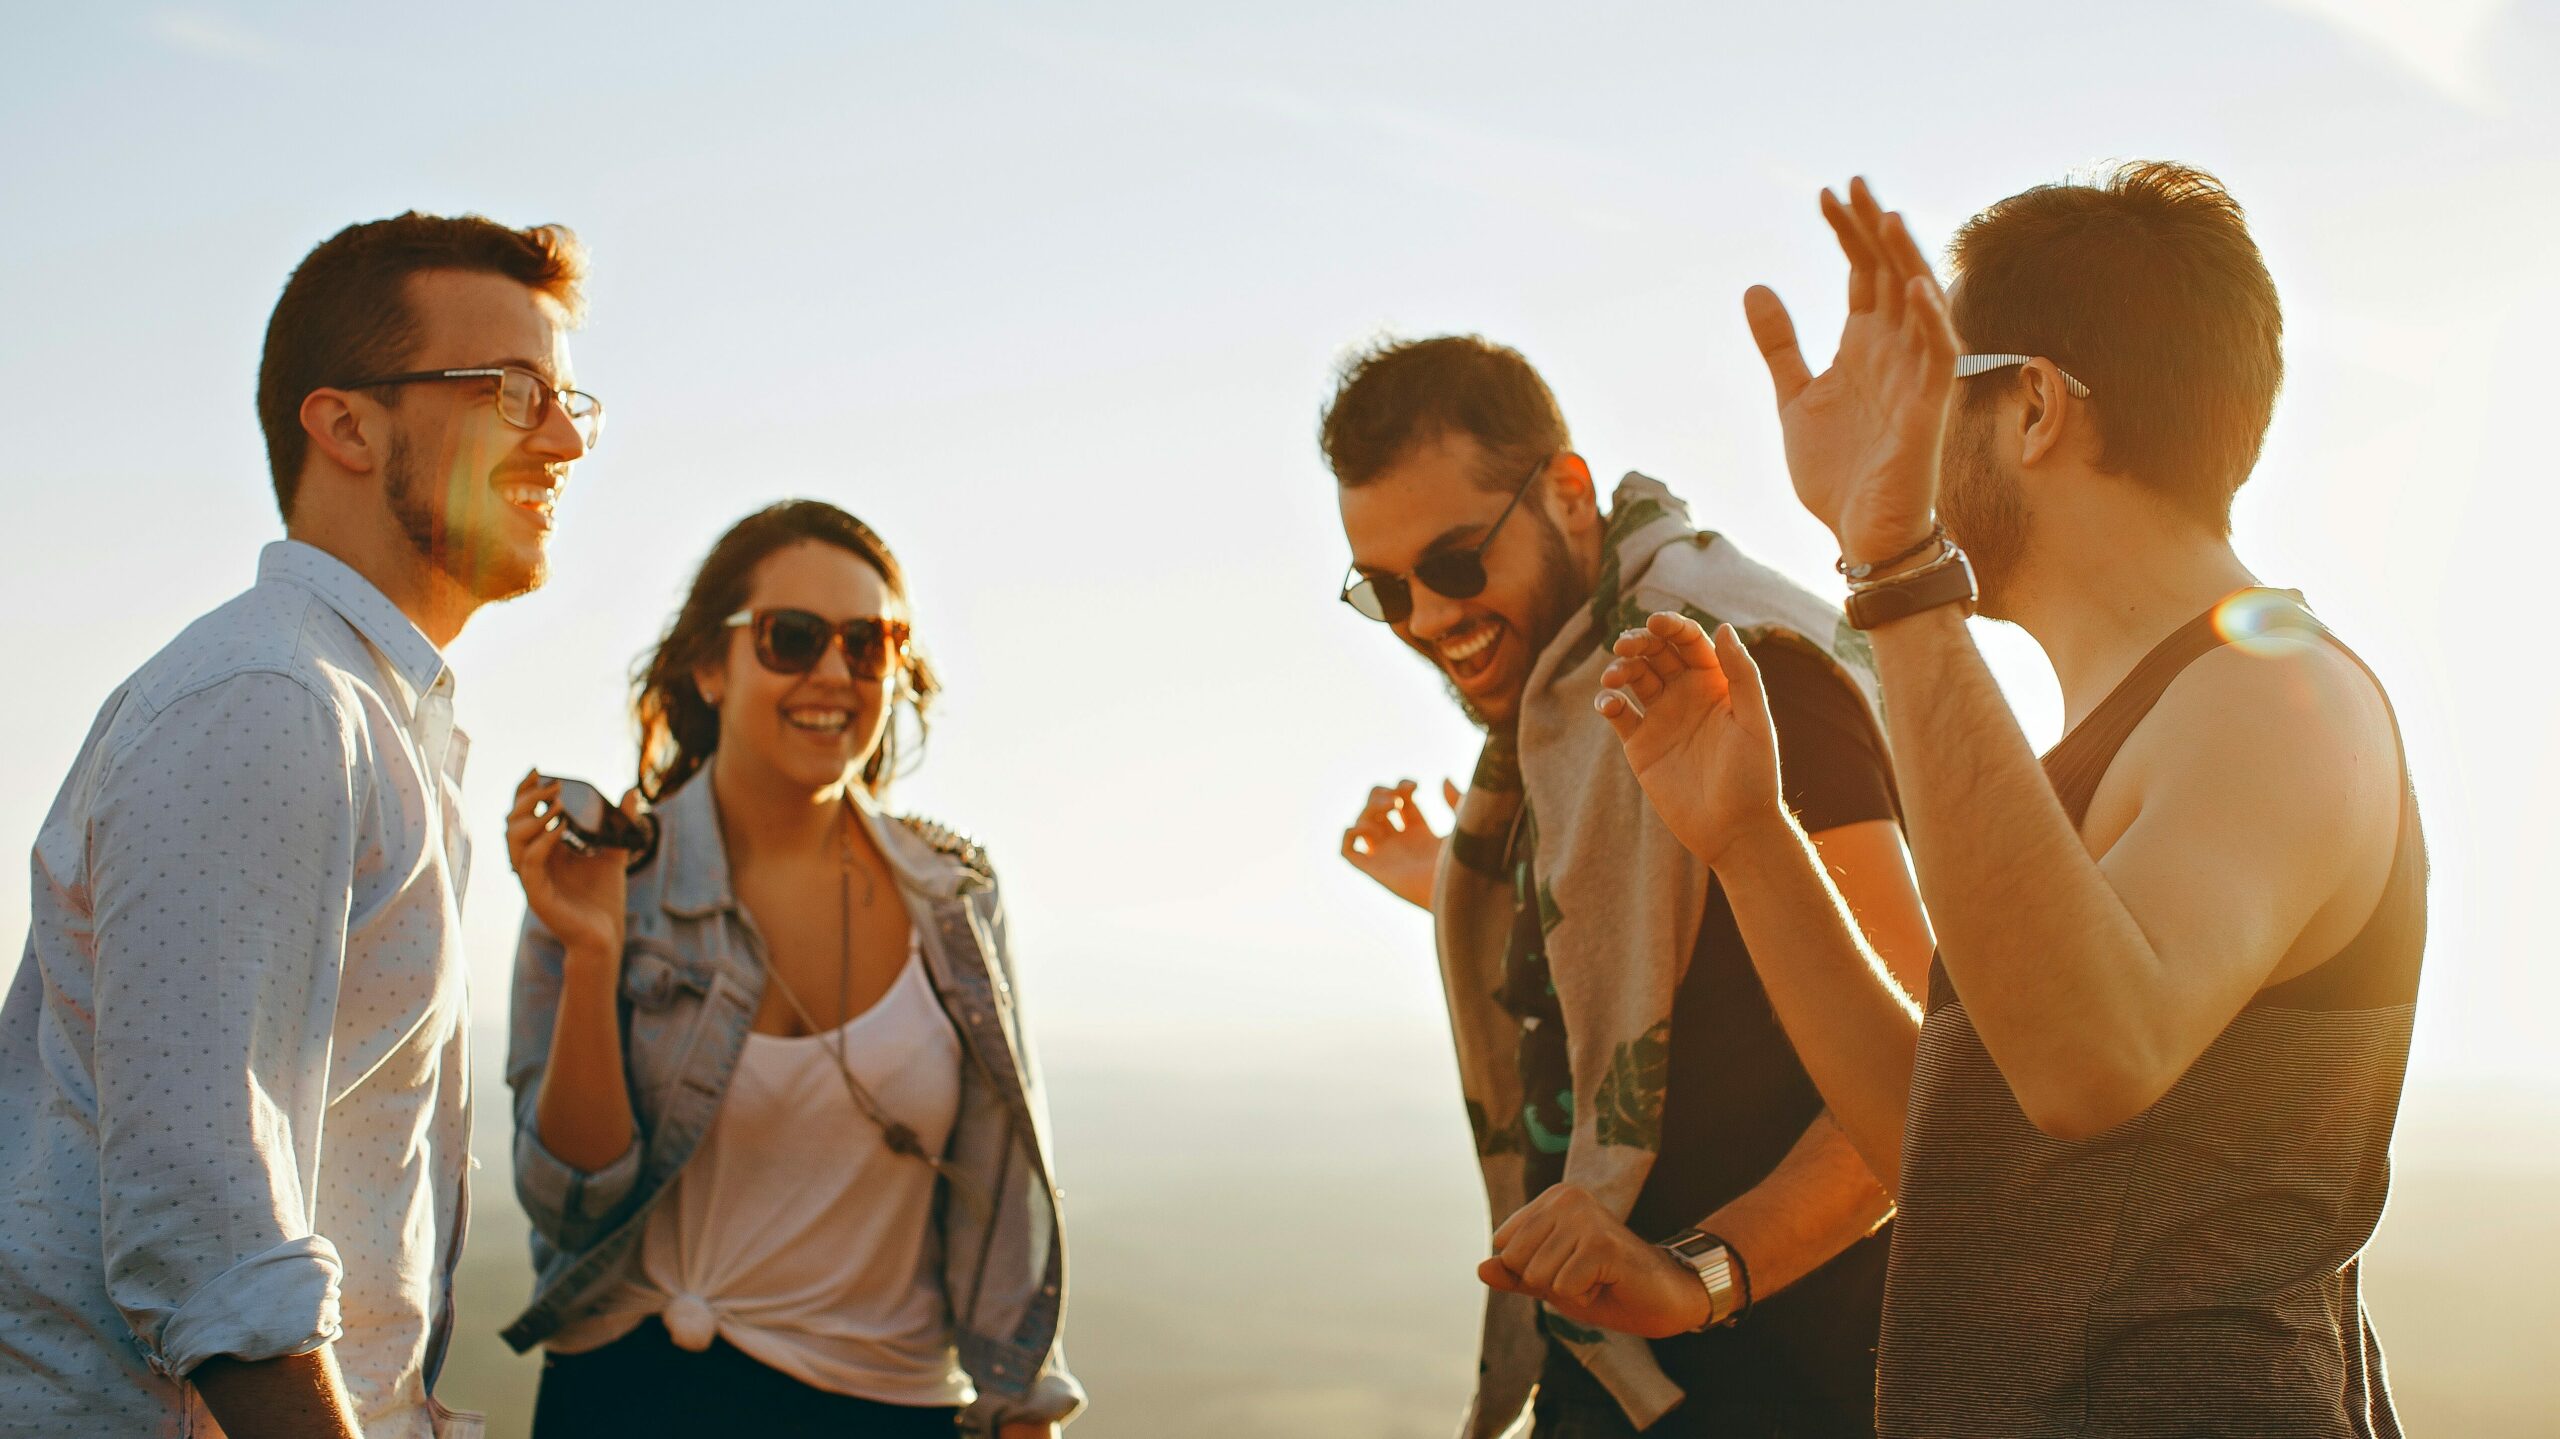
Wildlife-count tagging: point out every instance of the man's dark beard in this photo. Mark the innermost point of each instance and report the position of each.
(1983, 505)
(1559, 594)
(423, 515)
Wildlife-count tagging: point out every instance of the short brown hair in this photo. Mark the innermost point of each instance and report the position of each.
(1397, 394)
(345, 313)
(2143, 283)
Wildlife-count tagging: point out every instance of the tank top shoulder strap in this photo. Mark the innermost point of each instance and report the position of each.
(2076, 764)
(2380, 965)
(2081, 760)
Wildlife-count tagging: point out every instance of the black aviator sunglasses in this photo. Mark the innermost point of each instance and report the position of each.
(1458, 574)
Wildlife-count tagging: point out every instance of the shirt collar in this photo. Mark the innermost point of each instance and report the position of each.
(412, 655)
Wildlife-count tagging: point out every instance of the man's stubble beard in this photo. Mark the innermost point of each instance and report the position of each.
(1558, 596)
(423, 511)
(1984, 506)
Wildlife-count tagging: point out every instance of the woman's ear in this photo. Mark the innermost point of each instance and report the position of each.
(707, 683)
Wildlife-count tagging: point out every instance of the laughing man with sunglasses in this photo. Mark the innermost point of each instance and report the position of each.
(1625, 1078)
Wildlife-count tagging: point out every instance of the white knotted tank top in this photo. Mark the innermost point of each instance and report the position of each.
(794, 1232)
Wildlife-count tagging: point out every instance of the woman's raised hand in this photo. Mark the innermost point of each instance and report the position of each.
(1694, 723)
(578, 897)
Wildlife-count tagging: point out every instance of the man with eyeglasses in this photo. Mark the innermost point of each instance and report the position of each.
(2140, 1130)
(1625, 1079)
(234, 1096)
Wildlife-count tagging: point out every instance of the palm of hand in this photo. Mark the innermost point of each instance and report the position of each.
(1707, 771)
(1403, 860)
(1862, 441)
(1863, 437)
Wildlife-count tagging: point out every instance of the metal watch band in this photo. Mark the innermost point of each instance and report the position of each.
(1718, 1268)
(1884, 601)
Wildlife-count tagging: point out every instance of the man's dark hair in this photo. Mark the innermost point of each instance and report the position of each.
(1398, 394)
(345, 313)
(2144, 284)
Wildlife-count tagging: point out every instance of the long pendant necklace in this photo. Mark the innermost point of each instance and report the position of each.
(900, 1138)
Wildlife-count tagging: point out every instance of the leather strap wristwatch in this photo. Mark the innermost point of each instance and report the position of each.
(1718, 1268)
(1946, 580)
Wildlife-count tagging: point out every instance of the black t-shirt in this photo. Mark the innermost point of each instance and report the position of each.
(1737, 1099)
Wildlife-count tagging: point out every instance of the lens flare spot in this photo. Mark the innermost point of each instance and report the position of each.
(2263, 622)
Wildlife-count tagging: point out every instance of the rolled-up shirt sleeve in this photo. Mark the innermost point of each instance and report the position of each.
(223, 849)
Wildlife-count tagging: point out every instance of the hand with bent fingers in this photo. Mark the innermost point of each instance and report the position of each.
(1697, 732)
(578, 897)
(1393, 844)
(1566, 1248)
(1863, 437)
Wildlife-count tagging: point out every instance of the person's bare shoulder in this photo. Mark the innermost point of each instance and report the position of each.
(2283, 740)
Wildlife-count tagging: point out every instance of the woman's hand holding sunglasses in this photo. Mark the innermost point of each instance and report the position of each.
(577, 895)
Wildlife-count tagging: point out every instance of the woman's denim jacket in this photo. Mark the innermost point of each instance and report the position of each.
(692, 979)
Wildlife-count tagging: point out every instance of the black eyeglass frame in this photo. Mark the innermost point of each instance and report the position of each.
(1459, 573)
(866, 635)
(589, 420)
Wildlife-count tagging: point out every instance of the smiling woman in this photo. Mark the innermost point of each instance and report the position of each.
(680, 720)
(804, 965)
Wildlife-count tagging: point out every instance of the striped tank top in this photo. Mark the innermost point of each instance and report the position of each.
(2193, 1270)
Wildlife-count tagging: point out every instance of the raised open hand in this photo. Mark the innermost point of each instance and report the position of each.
(1863, 437)
(1694, 723)
(1393, 844)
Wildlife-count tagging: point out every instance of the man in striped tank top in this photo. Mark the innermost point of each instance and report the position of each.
(2140, 1125)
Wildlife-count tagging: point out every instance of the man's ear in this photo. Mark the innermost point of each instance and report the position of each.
(1577, 496)
(348, 430)
(2049, 416)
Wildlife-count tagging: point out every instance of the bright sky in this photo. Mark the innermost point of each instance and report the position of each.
(1050, 295)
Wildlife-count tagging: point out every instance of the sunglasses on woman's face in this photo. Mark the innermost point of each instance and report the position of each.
(791, 642)
(1458, 574)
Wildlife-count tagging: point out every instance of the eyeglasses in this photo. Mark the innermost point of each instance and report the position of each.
(792, 642)
(524, 398)
(1458, 574)
(1968, 366)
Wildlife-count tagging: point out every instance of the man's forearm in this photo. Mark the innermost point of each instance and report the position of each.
(1853, 1027)
(1818, 1201)
(299, 1396)
(2034, 937)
